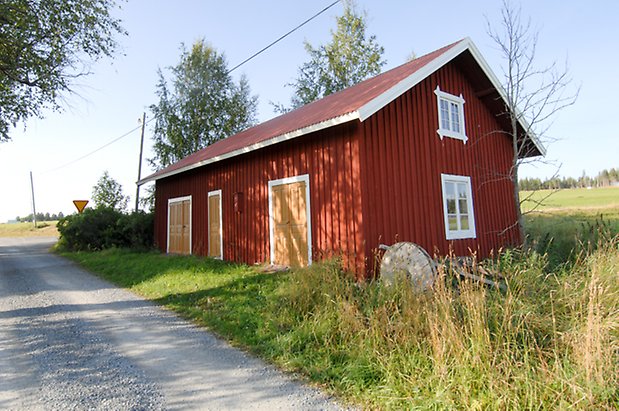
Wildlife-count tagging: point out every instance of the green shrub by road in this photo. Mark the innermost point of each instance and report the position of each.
(549, 342)
(104, 227)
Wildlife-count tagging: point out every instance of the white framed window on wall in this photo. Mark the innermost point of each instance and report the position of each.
(450, 115)
(458, 207)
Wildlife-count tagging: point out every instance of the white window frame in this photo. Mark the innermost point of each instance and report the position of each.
(178, 200)
(459, 233)
(288, 180)
(221, 212)
(458, 101)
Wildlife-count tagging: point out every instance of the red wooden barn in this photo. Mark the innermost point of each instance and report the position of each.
(417, 153)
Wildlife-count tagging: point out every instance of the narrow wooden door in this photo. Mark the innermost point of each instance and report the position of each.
(179, 227)
(174, 227)
(290, 228)
(214, 225)
(185, 228)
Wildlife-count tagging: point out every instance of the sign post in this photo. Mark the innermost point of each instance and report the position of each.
(80, 205)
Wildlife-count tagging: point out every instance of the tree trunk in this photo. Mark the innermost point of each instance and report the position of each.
(514, 173)
(519, 215)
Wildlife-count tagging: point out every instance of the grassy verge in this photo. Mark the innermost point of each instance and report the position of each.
(550, 342)
(44, 229)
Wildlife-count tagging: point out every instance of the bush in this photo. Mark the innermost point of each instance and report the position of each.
(101, 228)
(136, 230)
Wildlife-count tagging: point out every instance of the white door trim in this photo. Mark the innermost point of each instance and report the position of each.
(221, 212)
(288, 180)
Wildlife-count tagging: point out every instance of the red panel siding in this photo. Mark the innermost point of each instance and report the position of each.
(402, 158)
(330, 157)
(373, 182)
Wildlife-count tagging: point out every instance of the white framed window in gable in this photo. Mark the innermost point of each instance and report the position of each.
(450, 115)
(458, 207)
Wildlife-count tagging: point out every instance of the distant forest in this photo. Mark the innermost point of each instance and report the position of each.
(40, 217)
(605, 178)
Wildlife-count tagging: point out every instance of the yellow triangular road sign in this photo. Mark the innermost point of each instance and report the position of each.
(80, 205)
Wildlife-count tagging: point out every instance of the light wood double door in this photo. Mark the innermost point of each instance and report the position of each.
(290, 224)
(179, 225)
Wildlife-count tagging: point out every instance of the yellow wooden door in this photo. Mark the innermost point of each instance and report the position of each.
(185, 228)
(214, 224)
(174, 228)
(179, 227)
(298, 224)
(280, 225)
(290, 224)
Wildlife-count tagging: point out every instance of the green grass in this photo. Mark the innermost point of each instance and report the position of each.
(551, 341)
(572, 199)
(562, 234)
(569, 219)
(44, 229)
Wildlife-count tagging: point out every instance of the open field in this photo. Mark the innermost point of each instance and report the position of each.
(44, 229)
(577, 198)
(569, 219)
(548, 342)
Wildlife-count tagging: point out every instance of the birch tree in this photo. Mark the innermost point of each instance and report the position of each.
(351, 57)
(202, 105)
(44, 46)
(534, 94)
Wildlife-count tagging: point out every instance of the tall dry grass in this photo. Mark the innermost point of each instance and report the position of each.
(551, 341)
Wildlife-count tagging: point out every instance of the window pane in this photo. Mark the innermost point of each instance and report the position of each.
(464, 222)
(450, 190)
(453, 222)
(444, 114)
(462, 206)
(455, 118)
(462, 191)
(451, 206)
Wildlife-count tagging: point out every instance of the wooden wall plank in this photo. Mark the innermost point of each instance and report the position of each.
(325, 155)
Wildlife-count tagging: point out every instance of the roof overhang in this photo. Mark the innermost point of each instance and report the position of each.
(266, 143)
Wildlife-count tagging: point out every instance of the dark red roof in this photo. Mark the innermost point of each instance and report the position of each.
(330, 107)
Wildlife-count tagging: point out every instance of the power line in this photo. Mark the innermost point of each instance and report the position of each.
(270, 45)
(228, 72)
(109, 143)
(284, 36)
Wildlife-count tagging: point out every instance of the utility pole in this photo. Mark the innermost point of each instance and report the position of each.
(137, 190)
(34, 209)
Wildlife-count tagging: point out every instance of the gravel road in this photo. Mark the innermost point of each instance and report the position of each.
(71, 341)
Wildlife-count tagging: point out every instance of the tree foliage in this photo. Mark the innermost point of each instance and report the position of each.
(348, 59)
(44, 46)
(201, 106)
(604, 178)
(108, 193)
(40, 217)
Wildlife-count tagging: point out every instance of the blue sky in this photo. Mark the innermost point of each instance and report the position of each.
(110, 102)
